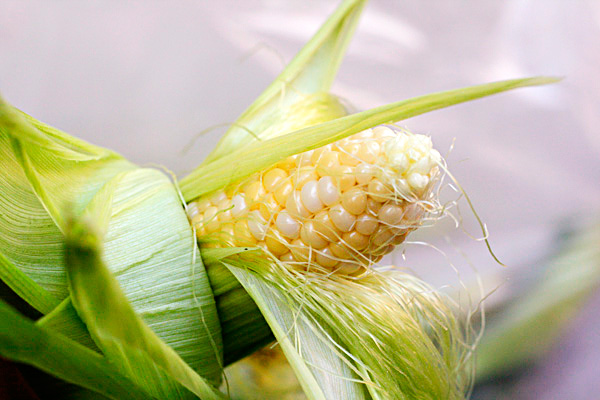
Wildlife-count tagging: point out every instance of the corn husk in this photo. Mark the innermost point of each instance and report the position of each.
(47, 174)
(144, 314)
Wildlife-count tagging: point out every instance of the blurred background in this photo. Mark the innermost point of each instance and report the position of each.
(153, 79)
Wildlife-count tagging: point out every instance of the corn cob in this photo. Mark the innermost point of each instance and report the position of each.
(337, 208)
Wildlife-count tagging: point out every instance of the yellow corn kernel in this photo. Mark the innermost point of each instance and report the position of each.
(276, 244)
(356, 240)
(327, 163)
(326, 258)
(269, 207)
(378, 191)
(310, 236)
(283, 190)
(273, 177)
(345, 177)
(349, 154)
(253, 192)
(355, 201)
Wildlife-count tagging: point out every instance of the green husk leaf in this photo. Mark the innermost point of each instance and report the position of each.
(260, 155)
(121, 334)
(243, 326)
(64, 320)
(149, 244)
(324, 325)
(44, 173)
(528, 326)
(311, 72)
(23, 341)
(320, 371)
(25, 287)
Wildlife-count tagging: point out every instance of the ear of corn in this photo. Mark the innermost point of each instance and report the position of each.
(337, 208)
(346, 338)
(339, 371)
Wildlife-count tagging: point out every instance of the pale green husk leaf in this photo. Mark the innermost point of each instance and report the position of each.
(25, 287)
(149, 245)
(382, 335)
(132, 347)
(320, 370)
(22, 341)
(306, 79)
(257, 156)
(63, 318)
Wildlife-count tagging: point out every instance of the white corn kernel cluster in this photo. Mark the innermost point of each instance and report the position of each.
(340, 207)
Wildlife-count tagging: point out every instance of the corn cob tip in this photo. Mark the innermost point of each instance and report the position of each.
(337, 208)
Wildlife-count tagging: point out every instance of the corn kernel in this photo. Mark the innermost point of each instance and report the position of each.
(276, 244)
(310, 236)
(345, 177)
(366, 224)
(390, 214)
(328, 191)
(310, 197)
(273, 177)
(341, 218)
(283, 191)
(354, 201)
(325, 226)
(253, 192)
(378, 191)
(349, 154)
(288, 226)
(327, 163)
(356, 240)
(341, 251)
(326, 258)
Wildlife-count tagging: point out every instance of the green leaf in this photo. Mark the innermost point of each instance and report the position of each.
(260, 155)
(25, 287)
(23, 341)
(319, 369)
(43, 173)
(150, 246)
(64, 320)
(123, 337)
(312, 71)
(325, 326)
(243, 327)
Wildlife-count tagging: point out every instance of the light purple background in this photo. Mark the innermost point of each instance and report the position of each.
(145, 78)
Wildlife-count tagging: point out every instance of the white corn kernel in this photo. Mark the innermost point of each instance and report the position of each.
(310, 197)
(256, 225)
(341, 218)
(287, 225)
(328, 191)
(239, 205)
